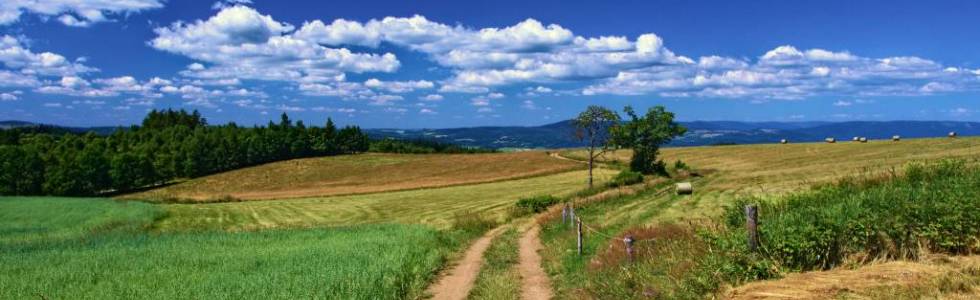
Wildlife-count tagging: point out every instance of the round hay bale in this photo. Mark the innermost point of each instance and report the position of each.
(685, 188)
(830, 140)
(952, 134)
(856, 139)
(864, 139)
(783, 141)
(896, 138)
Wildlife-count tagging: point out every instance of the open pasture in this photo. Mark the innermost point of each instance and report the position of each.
(437, 206)
(358, 174)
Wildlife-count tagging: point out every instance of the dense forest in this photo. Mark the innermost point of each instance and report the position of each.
(169, 145)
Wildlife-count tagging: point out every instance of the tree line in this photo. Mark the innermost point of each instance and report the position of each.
(169, 145)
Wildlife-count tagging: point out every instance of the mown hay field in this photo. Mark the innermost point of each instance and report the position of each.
(436, 206)
(358, 174)
(769, 170)
(63, 248)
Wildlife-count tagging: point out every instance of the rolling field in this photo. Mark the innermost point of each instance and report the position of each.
(774, 169)
(436, 207)
(57, 248)
(358, 174)
(387, 223)
(728, 173)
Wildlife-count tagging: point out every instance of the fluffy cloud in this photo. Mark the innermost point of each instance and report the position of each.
(788, 73)
(15, 55)
(8, 97)
(73, 12)
(431, 97)
(240, 43)
(15, 79)
(398, 86)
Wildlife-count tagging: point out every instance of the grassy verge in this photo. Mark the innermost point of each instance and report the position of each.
(604, 220)
(931, 208)
(499, 277)
(101, 249)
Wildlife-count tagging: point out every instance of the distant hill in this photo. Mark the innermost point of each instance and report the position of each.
(14, 124)
(102, 130)
(700, 133)
(560, 135)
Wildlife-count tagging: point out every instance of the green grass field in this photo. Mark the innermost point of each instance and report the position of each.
(56, 248)
(436, 207)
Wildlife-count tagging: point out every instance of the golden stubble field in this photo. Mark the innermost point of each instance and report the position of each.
(436, 206)
(360, 174)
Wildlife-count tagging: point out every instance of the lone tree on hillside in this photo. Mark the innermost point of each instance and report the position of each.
(645, 135)
(594, 125)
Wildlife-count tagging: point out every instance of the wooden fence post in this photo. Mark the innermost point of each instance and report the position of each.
(579, 222)
(629, 247)
(564, 213)
(751, 224)
(571, 215)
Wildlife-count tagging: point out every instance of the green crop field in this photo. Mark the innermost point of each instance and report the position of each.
(57, 248)
(435, 206)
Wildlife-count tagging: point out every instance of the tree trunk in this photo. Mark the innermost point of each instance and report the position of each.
(591, 158)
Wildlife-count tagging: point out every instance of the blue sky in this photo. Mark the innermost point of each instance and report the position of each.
(433, 64)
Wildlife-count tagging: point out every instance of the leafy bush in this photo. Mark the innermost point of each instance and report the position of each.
(626, 177)
(680, 165)
(472, 223)
(536, 204)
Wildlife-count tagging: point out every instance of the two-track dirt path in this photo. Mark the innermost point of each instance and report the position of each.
(535, 283)
(458, 281)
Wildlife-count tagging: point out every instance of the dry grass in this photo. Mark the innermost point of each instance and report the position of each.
(436, 206)
(358, 174)
(774, 169)
(941, 277)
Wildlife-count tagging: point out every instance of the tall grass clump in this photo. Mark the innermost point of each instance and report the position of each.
(532, 205)
(624, 178)
(933, 207)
